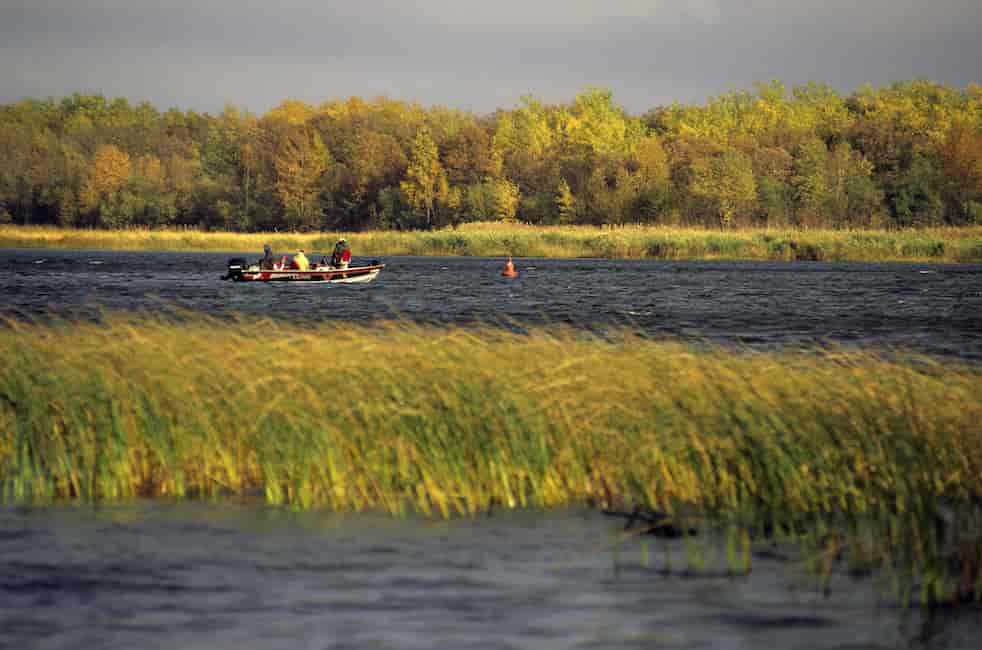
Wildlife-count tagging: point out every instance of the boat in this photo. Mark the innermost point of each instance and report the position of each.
(239, 270)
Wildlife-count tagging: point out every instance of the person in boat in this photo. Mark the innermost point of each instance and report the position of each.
(342, 254)
(300, 261)
(267, 262)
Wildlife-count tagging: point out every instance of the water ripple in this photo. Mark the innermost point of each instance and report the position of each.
(928, 307)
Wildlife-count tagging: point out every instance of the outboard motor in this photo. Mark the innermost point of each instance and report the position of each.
(235, 267)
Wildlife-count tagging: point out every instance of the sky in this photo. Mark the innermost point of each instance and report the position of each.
(476, 55)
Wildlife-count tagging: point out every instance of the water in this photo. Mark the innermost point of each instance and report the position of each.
(931, 308)
(166, 575)
(243, 575)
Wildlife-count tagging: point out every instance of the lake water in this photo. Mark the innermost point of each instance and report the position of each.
(164, 575)
(158, 574)
(928, 307)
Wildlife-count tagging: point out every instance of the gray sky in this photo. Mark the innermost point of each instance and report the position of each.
(473, 54)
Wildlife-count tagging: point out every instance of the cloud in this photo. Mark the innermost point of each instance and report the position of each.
(479, 54)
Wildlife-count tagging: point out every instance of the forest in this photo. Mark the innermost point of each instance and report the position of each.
(902, 155)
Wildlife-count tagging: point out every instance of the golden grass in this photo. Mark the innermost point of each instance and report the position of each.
(452, 420)
(849, 453)
(499, 239)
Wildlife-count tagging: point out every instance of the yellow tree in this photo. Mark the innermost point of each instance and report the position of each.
(504, 198)
(290, 112)
(565, 203)
(727, 180)
(108, 172)
(300, 160)
(595, 123)
(652, 161)
(525, 142)
(426, 182)
(379, 161)
(960, 155)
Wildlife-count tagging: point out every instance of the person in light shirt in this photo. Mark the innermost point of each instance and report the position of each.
(300, 261)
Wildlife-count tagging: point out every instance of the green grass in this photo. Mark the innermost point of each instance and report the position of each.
(949, 245)
(451, 420)
(845, 452)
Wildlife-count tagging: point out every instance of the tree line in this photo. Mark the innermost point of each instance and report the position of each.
(906, 154)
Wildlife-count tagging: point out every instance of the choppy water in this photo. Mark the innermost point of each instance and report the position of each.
(242, 575)
(163, 575)
(929, 307)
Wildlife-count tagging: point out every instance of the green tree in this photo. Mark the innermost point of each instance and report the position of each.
(912, 195)
(181, 176)
(810, 180)
(301, 159)
(231, 160)
(68, 208)
(652, 179)
(425, 183)
(594, 123)
(775, 197)
(565, 203)
(504, 197)
(469, 156)
(854, 198)
(727, 181)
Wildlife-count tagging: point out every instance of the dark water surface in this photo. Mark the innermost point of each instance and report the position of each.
(928, 307)
(187, 576)
(241, 575)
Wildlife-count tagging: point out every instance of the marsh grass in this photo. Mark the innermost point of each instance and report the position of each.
(453, 420)
(498, 239)
(849, 454)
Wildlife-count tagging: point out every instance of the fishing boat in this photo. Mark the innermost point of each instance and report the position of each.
(239, 270)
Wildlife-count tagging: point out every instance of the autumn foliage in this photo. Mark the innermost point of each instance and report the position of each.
(908, 154)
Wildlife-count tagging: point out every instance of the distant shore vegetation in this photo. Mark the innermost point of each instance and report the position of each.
(945, 245)
(903, 155)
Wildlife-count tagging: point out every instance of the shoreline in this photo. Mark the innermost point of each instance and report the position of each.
(938, 245)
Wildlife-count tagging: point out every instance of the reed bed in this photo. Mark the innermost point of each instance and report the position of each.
(454, 420)
(950, 245)
(871, 457)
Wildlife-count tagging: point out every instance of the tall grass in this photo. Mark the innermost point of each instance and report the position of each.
(452, 420)
(834, 449)
(496, 239)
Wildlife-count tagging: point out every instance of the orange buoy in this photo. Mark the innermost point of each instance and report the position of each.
(509, 271)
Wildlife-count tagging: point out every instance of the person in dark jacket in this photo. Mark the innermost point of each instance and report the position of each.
(266, 263)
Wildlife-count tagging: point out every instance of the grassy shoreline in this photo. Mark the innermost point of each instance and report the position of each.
(943, 245)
